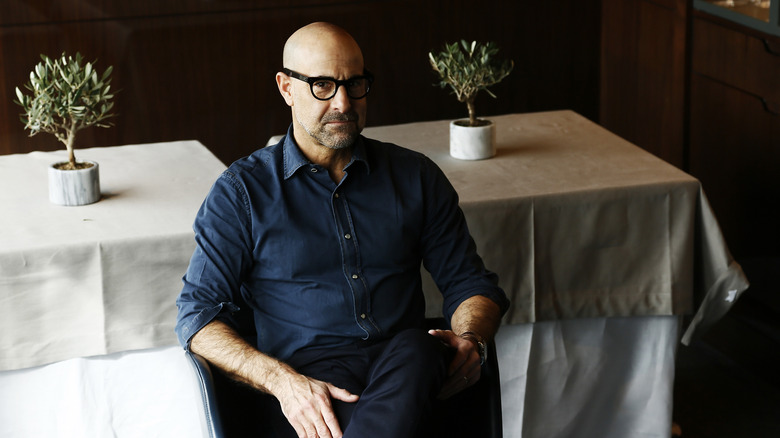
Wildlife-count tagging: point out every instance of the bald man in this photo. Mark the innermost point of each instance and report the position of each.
(320, 239)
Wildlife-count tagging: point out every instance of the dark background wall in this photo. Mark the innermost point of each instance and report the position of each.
(200, 69)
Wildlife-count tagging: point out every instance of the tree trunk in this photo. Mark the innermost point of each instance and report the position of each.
(472, 113)
(69, 145)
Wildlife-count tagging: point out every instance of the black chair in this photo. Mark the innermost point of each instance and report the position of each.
(234, 410)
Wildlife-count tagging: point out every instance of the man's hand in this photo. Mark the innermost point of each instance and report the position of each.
(306, 403)
(465, 369)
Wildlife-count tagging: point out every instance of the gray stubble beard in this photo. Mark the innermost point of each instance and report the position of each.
(331, 140)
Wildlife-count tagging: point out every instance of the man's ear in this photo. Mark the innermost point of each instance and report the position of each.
(285, 87)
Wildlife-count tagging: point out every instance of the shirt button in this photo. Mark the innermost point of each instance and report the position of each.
(363, 316)
(336, 196)
(313, 170)
(354, 276)
(347, 236)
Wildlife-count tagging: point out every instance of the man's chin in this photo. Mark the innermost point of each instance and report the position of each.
(340, 143)
(341, 138)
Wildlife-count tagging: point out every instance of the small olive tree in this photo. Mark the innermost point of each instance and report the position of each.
(469, 68)
(68, 95)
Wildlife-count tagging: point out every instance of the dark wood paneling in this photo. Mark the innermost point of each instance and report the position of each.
(735, 134)
(205, 70)
(745, 60)
(24, 12)
(643, 68)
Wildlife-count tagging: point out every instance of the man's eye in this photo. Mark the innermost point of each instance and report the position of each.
(359, 82)
(323, 84)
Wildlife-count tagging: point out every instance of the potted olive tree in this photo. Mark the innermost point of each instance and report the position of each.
(468, 68)
(68, 95)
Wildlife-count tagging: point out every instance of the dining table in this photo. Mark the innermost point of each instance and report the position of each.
(579, 223)
(610, 256)
(87, 294)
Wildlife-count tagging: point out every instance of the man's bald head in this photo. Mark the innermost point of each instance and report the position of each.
(329, 126)
(319, 45)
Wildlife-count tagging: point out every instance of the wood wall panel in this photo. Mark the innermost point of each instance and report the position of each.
(205, 70)
(21, 12)
(735, 133)
(643, 74)
(735, 152)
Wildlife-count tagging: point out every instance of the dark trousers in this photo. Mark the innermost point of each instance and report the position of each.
(397, 381)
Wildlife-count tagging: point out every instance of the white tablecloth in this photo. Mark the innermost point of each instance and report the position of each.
(143, 394)
(585, 378)
(100, 278)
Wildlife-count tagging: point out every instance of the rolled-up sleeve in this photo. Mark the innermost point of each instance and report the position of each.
(449, 252)
(222, 255)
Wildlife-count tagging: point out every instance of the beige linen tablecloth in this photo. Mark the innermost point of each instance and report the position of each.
(101, 278)
(579, 223)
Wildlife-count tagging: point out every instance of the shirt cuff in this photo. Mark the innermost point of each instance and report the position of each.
(187, 329)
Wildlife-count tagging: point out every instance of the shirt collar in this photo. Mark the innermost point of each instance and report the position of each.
(294, 159)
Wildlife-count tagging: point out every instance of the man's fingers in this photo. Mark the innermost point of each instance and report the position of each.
(299, 430)
(331, 425)
(464, 369)
(342, 394)
(319, 424)
(458, 383)
(446, 336)
(311, 432)
(310, 411)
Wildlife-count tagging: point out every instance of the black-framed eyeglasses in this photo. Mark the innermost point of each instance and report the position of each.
(324, 87)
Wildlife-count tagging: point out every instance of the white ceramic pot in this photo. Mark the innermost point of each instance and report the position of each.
(472, 142)
(74, 187)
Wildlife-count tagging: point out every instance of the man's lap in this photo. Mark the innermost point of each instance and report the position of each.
(379, 372)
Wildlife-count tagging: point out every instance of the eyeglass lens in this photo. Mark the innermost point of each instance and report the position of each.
(325, 89)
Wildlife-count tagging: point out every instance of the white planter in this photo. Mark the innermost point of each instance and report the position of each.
(472, 142)
(74, 187)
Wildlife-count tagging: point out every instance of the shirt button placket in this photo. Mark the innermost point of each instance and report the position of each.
(350, 259)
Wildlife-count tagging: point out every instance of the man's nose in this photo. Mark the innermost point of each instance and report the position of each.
(341, 100)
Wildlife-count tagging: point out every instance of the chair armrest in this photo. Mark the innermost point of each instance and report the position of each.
(490, 373)
(208, 394)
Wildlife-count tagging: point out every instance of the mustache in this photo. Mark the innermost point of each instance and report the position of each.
(350, 116)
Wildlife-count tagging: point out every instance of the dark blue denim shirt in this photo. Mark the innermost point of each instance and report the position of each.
(321, 264)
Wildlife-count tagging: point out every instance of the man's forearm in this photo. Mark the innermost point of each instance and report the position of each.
(223, 347)
(479, 315)
(305, 402)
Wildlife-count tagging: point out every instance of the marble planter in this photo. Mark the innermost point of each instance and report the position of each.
(472, 142)
(74, 187)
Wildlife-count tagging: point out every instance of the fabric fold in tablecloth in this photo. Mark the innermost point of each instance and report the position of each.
(720, 282)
